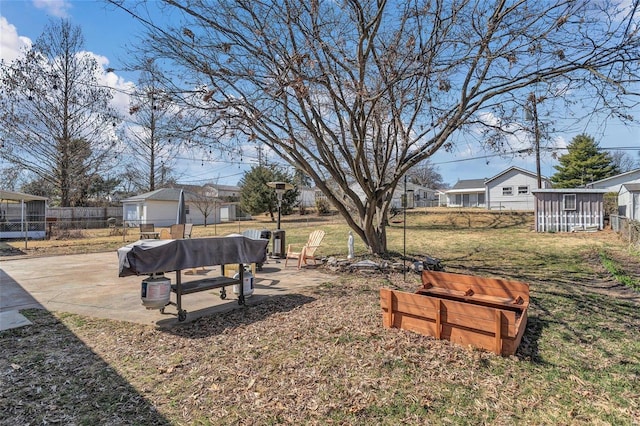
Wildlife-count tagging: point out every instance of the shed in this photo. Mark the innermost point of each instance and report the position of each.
(22, 215)
(629, 201)
(569, 209)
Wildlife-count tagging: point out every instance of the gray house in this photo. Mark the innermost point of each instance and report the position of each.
(629, 201)
(511, 189)
(569, 209)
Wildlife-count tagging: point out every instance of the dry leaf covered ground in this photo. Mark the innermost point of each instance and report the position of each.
(321, 356)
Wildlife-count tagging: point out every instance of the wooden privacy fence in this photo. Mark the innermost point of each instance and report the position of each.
(485, 313)
(84, 217)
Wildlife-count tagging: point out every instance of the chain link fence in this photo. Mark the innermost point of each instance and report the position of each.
(629, 230)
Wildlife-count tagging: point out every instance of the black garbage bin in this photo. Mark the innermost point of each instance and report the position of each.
(278, 243)
(265, 234)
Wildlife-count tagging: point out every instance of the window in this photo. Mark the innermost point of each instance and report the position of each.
(523, 190)
(186, 209)
(569, 202)
(507, 190)
(458, 201)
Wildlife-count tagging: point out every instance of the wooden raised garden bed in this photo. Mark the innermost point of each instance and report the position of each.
(486, 313)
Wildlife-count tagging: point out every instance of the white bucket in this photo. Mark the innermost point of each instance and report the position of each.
(155, 292)
(247, 288)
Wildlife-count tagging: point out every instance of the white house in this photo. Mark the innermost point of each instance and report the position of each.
(614, 183)
(467, 193)
(629, 201)
(227, 191)
(160, 207)
(417, 196)
(511, 189)
(307, 197)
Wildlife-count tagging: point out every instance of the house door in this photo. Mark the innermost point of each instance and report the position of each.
(635, 205)
(465, 200)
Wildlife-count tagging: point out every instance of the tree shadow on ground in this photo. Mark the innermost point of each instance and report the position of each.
(48, 375)
(9, 250)
(219, 323)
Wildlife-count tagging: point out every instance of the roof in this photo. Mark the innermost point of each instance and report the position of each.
(162, 194)
(631, 172)
(632, 187)
(523, 171)
(469, 184)
(19, 196)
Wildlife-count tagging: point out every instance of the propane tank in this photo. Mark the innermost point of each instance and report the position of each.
(247, 289)
(155, 291)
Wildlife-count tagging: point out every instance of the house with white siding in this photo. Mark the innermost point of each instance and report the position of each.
(511, 189)
(614, 183)
(629, 201)
(160, 207)
(467, 193)
(417, 196)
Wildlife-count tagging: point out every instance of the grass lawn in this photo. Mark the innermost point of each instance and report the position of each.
(321, 356)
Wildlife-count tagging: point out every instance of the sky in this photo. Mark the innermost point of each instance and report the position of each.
(108, 31)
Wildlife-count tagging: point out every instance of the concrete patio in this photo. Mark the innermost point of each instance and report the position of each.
(88, 284)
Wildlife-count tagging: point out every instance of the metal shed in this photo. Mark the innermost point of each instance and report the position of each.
(569, 209)
(22, 215)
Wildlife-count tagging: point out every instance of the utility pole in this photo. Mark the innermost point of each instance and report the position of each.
(259, 150)
(536, 134)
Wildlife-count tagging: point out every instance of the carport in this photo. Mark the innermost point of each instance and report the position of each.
(22, 215)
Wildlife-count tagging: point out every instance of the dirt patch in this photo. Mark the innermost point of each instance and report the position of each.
(605, 283)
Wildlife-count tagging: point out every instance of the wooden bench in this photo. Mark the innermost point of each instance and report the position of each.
(486, 313)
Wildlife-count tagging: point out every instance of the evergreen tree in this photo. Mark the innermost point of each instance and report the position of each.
(583, 163)
(256, 197)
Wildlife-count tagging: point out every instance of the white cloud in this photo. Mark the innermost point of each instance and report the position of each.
(122, 88)
(11, 44)
(58, 8)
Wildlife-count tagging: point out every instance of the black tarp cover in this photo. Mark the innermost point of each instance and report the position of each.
(153, 256)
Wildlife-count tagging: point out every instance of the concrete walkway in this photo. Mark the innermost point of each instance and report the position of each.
(88, 284)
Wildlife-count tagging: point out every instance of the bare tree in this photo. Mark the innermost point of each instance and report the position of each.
(624, 161)
(153, 135)
(356, 93)
(427, 175)
(55, 118)
(205, 200)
